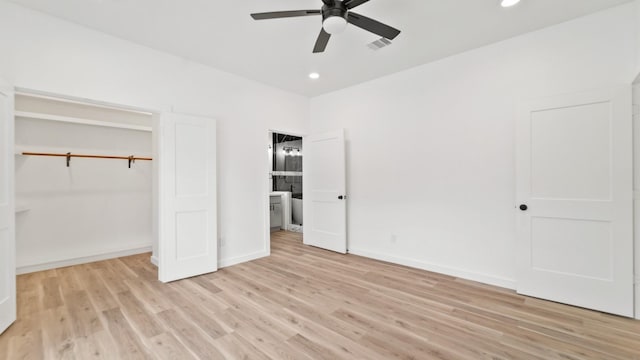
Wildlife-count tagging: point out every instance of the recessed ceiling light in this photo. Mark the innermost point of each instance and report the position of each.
(508, 3)
(314, 75)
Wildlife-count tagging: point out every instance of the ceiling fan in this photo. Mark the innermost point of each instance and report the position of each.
(335, 16)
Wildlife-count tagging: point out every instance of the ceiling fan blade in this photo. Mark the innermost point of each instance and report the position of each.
(284, 14)
(321, 43)
(373, 26)
(350, 4)
(329, 3)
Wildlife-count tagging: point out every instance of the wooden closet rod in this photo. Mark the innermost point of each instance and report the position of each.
(70, 155)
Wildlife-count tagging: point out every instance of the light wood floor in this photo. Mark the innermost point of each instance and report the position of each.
(300, 303)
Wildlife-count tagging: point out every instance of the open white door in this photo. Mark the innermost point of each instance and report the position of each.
(188, 243)
(574, 193)
(324, 180)
(7, 214)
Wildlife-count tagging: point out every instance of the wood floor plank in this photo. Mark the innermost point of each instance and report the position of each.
(190, 335)
(51, 297)
(129, 345)
(166, 347)
(58, 340)
(299, 303)
(84, 319)
(234, 346)
(99, 345)
(139, 316)
(99, 294)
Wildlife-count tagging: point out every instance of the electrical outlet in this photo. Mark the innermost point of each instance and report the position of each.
(394, 238)
(222, 242)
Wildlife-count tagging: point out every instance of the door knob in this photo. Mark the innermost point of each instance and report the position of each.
(341, 197)
(523, 207)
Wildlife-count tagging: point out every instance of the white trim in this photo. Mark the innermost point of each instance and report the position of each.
(72, 120)
(241, 259)
(446, 270)
(137, 249)
(83, 101)
(154, 260)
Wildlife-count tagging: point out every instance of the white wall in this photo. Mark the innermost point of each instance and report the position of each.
(443, 182)
(44, 53)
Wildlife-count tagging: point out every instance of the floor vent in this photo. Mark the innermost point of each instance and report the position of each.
(379, 44)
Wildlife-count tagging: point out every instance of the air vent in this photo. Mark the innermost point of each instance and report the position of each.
(379, 44)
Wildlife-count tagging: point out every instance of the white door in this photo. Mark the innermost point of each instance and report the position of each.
(574, 193)
(324, 185)
(188, 243)
(7, 215)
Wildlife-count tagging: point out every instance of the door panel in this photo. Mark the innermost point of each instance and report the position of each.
(187, 197)
(575, 238)
(324, 183)
(7, 211)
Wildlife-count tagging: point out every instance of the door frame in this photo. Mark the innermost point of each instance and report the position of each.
(155, 151)
(267, 189)
(635, 89)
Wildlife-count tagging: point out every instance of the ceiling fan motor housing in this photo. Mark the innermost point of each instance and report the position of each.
(338, 9)
(334, 17)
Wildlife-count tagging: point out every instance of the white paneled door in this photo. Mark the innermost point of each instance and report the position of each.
(7, 211)
(325, 209)
(188, 243)
(574, 193)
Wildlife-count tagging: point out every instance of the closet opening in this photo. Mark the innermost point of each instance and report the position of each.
(84, 181)
(285, 218)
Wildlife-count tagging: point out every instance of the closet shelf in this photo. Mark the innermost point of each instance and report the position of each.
(49, 117)
(21, 209)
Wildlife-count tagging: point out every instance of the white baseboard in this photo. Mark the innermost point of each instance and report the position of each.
(40, 266)
(229, 261)
(461, 273)
(240, 259)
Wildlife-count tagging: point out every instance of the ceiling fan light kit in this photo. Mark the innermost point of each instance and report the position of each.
(334, 25)
(508, 3)
(335, 17)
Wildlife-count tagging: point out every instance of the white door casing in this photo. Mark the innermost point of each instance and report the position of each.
(574, 174)
(7, 210)
(188, 243)
(324, 187)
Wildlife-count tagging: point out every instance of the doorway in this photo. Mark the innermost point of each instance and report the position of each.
(84, 180)
(285, 184)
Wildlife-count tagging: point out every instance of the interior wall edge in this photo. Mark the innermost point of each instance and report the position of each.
(440, 269)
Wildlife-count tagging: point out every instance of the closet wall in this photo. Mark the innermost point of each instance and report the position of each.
(93, 209)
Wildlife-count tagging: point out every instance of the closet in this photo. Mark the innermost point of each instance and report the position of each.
(83, 182)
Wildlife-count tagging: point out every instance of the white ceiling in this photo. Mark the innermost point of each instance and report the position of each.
(278, 52)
